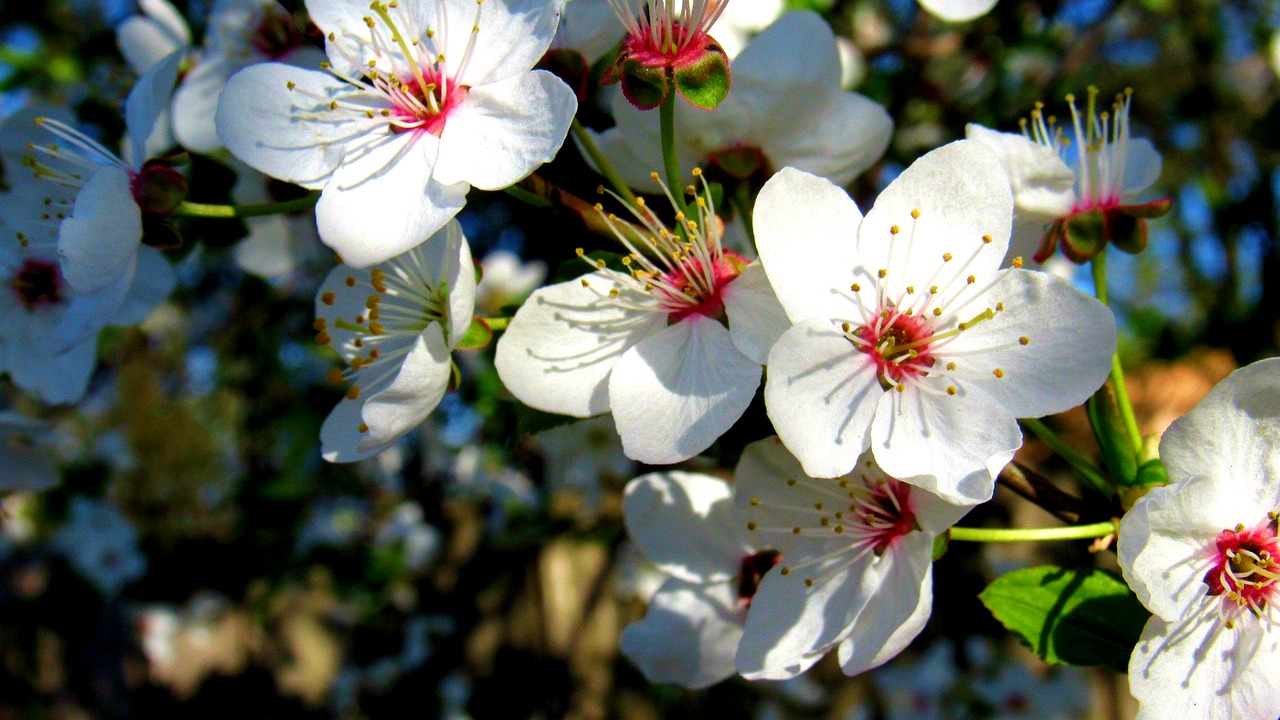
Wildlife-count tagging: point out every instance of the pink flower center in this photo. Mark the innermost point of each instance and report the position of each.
(684, 46)
(887, 514)
(667, 33)
(38, 284)
(898, 345)
(417, 109)
(1245, 567)
(751, 570)
(701, 290)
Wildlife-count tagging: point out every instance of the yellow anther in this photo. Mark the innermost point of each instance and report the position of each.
(882, 273)
(951, 389)
(363, 428)
(1024, 340)
(915, 214)
(1017, 262)
(998, 373)
(855, 287)
(986, 239)
(946, 257)
(327, 297)
(894, 230)
(353, 392)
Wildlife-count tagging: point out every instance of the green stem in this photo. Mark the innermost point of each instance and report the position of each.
(740, 199)
(527, 197)
(1081, 464)
(602, 163)
(670, 163)
(204, 210)
(1073, 532)
(1099, 267)
(497, 323)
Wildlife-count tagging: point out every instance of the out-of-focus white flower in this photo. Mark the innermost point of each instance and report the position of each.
(28, 462)
(152, 36)
(477, 473)
(239, 33)
(395, 325)
(958, 10)
(507, 280)
(911, 341)
(685, 523)
(581, 455)
(787, 108)
(419, 101)
(1015, 693)
(1203, 555)
(857, 563)
(418, 539)
(278, 247)
(101, 544)
(649, 345)
(914, 689)
(1085, 196)
(334, 523)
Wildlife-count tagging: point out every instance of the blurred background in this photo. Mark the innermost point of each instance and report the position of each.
(198, 559)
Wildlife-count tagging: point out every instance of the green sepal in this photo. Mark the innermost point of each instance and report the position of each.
(477, 337)
(644, 86)
(1069, 616)
(704, 83)
(1112, 436)
(940, 545)
(1050, 241)
(1084, 235)
(1127, 224)
(1149, 210)
(479, 270)
(455, 377)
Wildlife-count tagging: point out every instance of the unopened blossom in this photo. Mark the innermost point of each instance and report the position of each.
(669, 48)
(672, 346)
(856, 572)
(239, 33)
(787, 108)
(1203, 556)
(395, 325)
(1075, 185)
(685, 523)
(94, 205)
(101, 544)
(418, 101)
(909, 340)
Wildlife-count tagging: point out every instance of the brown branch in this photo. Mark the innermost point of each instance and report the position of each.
(1032, 486)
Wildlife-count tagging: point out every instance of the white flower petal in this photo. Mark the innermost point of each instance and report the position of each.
(1203, 671)
(896, 613)
(962, 194)
(685, 524)
(154, 279)
(791, 625)
(821, 393)
(381, 203)
(415, 392)
(1070, 339)
(958, 10)
(846, 137)
(270, 128)
(58, 378)
(805, 233)
(145, 40)
(98, 244)
(1043, 185)
(558, 351)
(513, 35)
(689, 635)
(195, 105)
(1142, 166)
(756, 318)
(147, 101)
(678, 390)
(792, 63)
(953, 446)
(503, 131)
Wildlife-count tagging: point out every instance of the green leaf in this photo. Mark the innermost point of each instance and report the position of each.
(1074, 617)
(477, 337)
(1112, 436)
(704, 83)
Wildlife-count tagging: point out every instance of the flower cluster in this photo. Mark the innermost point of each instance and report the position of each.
(833, 390)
